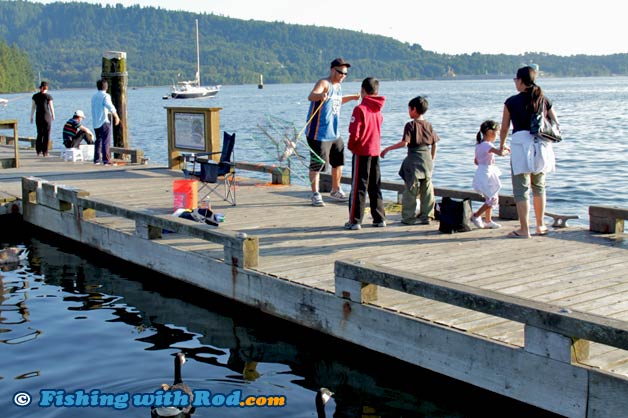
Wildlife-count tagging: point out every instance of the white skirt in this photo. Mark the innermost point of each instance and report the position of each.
(526, 157)
(486, 180)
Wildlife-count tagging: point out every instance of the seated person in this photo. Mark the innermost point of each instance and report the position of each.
(74, 132)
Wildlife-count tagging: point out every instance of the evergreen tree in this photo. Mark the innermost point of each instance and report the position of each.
(16, 74)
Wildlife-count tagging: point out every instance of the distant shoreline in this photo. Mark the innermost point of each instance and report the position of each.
(457, 77)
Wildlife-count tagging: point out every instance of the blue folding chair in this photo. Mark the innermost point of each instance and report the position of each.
(215, 175)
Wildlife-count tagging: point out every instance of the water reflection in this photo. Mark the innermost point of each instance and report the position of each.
(121, 333)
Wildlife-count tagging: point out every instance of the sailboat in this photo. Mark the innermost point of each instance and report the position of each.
(192, 89)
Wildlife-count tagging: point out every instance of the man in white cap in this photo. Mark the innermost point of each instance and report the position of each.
(74, 131)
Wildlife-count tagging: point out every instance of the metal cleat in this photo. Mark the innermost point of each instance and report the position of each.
(560, 221)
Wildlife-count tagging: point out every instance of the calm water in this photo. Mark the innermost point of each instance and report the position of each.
(70, 322)
(590, 161)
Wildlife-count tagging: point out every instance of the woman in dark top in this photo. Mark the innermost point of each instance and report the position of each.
(526, 172)
(44, 115)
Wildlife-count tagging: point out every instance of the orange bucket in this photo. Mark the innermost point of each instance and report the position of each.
(185, 194)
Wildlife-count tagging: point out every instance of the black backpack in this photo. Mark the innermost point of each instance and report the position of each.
(455, 215)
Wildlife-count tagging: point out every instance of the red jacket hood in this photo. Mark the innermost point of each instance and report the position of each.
(374, 103)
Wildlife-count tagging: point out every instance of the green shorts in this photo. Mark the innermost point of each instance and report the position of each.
(521, 184)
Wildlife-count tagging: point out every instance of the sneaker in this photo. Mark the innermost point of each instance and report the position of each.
(317, 199)
(477, 221)
(381, 224)
(353, 227)
(338, 195)
(492, 225)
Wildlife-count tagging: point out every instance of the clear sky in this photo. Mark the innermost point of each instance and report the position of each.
(560, 27)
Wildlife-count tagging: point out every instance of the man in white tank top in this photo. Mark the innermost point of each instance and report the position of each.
(326, 145)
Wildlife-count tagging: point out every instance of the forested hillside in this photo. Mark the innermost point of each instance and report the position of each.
(65, 43)
(15, 69)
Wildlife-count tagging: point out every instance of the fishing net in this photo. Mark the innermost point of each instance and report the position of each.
(284, 143)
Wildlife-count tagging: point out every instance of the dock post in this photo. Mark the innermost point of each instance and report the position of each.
(30, 188)
(12, 124)
(555, 346)
(114, 71)
(144, 230)
(507, 207)
(242, 252)
(324, 183)
(353, 289)
(281, 177)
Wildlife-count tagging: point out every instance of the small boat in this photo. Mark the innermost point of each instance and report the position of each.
(192, 89)
(3, 102)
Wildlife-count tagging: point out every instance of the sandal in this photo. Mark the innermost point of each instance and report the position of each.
(515, 234)
(542, 230)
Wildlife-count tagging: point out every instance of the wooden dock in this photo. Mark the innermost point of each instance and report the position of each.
(543, 320)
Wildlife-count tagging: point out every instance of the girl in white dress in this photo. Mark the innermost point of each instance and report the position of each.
(486, 179)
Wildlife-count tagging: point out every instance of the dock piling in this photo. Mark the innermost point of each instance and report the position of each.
(114, 71)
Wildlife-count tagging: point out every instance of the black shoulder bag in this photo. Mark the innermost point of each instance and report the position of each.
(543, 126)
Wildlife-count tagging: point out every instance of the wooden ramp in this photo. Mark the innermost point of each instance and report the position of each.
(571, 268)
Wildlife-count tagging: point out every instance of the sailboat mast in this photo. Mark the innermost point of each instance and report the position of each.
(198, 59)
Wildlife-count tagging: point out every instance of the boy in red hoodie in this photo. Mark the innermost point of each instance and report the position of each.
(364, 143)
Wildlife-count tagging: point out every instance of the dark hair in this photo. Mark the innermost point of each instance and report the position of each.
(527, 75)
(487, 125)
(102, 84)
(43, 84)
(370, 85)
(419, 103)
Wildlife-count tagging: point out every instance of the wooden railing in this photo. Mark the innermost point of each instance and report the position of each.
(607, 219)
(8, 140)
(240, 250)
(281, 175)
(507, 208)
(136, 155)
(551, 331)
